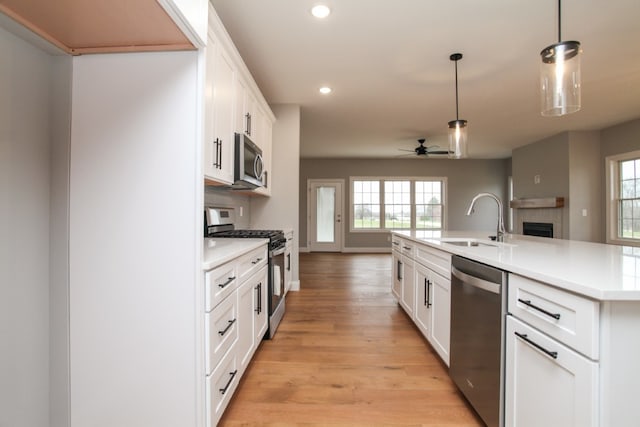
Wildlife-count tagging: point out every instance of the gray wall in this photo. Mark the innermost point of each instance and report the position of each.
(280, 211)
(585, 187)
(465, 178)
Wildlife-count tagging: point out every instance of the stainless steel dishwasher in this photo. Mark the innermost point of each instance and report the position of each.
(478, 307)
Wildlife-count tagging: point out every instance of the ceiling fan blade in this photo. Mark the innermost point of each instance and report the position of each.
(438, 152)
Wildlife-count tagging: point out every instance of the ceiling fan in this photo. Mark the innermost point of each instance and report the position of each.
(421, 150)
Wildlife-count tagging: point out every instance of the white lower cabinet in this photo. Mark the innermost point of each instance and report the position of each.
(423, 290)
(547, 384)
(252, 305)
(433, 309)
(407, 300)
(235, 322)
(220, 386)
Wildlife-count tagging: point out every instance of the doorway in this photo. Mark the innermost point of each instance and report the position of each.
(324, 219)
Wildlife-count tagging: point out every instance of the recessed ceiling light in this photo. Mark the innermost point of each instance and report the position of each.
(325, 90)
(320, 11)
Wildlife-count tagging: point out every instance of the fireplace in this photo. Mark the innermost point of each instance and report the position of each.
(540, 229)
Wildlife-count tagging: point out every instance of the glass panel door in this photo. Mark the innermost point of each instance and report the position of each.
(325, 214)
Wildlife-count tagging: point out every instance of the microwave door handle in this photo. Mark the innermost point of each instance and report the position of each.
(257, 166)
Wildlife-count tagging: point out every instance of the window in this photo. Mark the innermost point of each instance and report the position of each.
(623, 193)
(397, 203)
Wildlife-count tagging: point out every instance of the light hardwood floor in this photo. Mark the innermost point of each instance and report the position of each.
(346, 354)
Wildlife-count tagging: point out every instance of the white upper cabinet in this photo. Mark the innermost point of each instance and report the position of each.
(234, 104)
(219, 101)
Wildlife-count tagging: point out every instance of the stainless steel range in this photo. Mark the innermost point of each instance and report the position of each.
(220, 223)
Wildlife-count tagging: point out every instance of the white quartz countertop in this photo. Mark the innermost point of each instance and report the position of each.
(595, 270)
(216, 252)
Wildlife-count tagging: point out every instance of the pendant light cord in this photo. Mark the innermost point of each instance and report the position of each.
(456, 64)
(559, 21)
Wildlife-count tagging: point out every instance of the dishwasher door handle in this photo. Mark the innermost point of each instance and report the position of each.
(476, 281)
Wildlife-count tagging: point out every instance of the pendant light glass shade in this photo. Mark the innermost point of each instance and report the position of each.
(458, 139)
(560, 76)
(458, 136)
(560, 79)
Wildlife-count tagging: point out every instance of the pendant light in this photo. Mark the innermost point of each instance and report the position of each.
(560, 76)
(457, 128)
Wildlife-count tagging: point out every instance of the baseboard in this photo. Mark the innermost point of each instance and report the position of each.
(367, 250)
(295, 285)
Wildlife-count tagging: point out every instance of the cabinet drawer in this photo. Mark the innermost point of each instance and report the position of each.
(221, 331)
(407, 248)
(220, 386)
(546, 383)
(438, 261)
(396, 243)
(252, 262)
(219, 283)
(569, 318)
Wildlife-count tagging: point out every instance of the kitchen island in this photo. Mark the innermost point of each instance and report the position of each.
(578, 302)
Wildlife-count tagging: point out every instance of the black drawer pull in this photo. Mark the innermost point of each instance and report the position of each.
(553, 354)
(429, 304)
(541, 310)
(231, 322)
(256, 261)
(229, 280)
(226, 387)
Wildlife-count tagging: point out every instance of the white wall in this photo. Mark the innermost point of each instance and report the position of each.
(135, 229)
(24, 233)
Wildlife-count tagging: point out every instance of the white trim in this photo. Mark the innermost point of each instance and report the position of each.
(295, 286)
(303, 250)
(612, 189)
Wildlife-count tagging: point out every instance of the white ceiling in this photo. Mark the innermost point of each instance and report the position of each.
(388, 64)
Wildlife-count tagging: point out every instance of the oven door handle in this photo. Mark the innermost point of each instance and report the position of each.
(476, 281)
(277, 251)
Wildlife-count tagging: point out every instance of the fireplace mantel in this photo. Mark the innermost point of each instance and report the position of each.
(548, 202)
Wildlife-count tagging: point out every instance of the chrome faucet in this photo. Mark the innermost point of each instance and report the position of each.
(500, 232)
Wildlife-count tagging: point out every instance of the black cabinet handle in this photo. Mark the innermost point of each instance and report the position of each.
(426, 290)
(231, 322)
(259, 296)
(248, 124)
(226, 387)
(407, 248)
(218, 160)
(229, 280)
(256, 261)
(428, 294)
(541, 310)
(523, 337)
(288, 262)
(399, 274)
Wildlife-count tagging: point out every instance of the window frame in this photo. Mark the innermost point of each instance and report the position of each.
(613, 190)
(381, 180)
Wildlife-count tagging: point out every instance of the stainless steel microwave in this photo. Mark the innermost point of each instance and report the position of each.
(248, 166)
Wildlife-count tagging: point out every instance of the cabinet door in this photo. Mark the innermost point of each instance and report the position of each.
(246, 303)
(408, 287)
(423, 304)
(397, 267)
(546, 383)
(219, 117)
(440, 322)
(260, 309)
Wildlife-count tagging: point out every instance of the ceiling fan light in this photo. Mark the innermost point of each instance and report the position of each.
(458, 138)
(560, 80)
